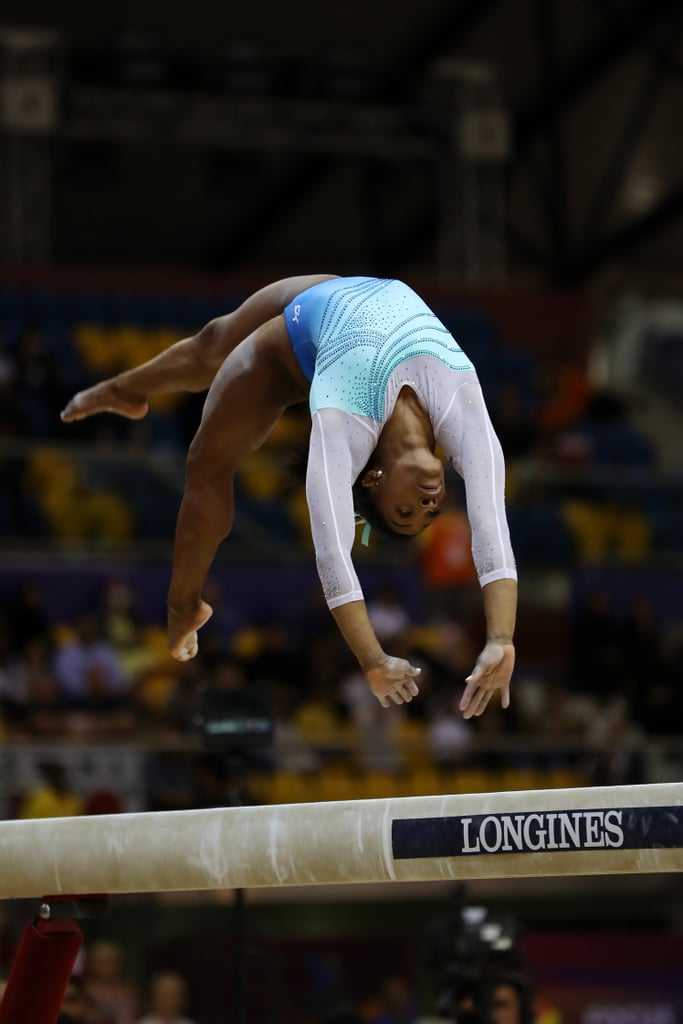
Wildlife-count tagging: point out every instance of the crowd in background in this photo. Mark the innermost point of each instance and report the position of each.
(108, 986)
(106, 676)
(105, 672)
(100, 990)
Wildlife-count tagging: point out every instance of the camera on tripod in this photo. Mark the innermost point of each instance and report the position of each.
(480, 972)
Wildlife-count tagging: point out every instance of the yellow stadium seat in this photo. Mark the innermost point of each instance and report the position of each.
(99, 347)
(293, 788)
(426, 781)
(411, 738)
(473, 780)
(340, 784)
(564, 778)
(522, 779)
(379, 785)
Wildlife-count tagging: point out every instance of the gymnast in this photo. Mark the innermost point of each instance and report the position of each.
(386, 384)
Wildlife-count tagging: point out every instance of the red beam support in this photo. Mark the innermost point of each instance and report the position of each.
(45, 960)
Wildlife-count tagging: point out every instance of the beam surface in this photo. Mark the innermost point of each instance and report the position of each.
(587, 831)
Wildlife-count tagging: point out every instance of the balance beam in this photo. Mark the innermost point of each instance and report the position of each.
(584, 831)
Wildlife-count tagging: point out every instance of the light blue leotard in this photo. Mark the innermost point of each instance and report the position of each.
(349, 334)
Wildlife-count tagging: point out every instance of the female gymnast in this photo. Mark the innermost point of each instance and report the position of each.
(387, 384)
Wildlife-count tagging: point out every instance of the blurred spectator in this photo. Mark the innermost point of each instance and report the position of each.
(450, 657)
(446, 563)
(449, 735)
(88, 669)
(27, 618)
(20, 511)
(75, 1008)
(605, 521)
(220, 631)
(567, 393)
(375, 729)
(396, 1002)
(118, 613)
(516, 427)
(39, 384)
(506, 1005)
(290, 753)
(651, 682)
(29, 694)
(168, 999)
(320, 718)
(114, 995)
(322, 659)
(10, 691)
(168, 781)
(227, 673)
(386, 613)
(276, 659)
(555, 714)
(8, 371)
(617, 760)
(614, 439)
(147, 666)
(597, 651)
(220, 780)
(604, 435)
(53, 797)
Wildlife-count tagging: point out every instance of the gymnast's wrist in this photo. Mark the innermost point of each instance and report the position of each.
(375, 660)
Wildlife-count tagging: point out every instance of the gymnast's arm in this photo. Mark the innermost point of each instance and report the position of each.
(387, 676)
(192, 363)
(340, 446)
(468, 438)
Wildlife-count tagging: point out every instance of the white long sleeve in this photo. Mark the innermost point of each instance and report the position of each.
(466, 435)
(340, 446)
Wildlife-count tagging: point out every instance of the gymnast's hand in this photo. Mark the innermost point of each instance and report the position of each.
(393, 678)
(108, 396)
(182, 629)
(492, 672)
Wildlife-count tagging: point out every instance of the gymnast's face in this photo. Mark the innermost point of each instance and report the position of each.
(408, 493)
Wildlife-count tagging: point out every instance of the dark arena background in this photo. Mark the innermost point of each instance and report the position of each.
(520, 164)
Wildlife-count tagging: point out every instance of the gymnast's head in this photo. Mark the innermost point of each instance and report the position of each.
(401, 496)
(397, 494)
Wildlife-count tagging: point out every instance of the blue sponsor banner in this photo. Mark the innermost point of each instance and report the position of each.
(614, 828)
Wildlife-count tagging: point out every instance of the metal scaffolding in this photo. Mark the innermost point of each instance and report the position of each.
(29, 91)
(471, 205)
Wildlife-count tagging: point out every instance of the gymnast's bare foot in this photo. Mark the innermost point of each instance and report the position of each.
(182, 629)
(109, 396)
